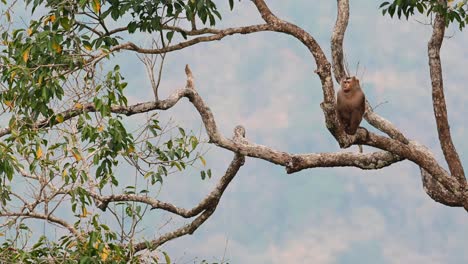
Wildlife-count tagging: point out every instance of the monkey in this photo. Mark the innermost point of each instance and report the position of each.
(350, 105)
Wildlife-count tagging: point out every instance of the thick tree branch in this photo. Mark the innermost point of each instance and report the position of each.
(337, 39)
(438, 101)
(323, 66)
(366, 161)
(383, 125)
(291, 162)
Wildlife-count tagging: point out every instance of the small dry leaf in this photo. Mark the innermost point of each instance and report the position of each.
(57, 47)
(131, 149)
(59, 118)
(26, 55)
(84, 212)
(12, 76)
(76, 155)
(203, 161)
(105, 253)
(10, 104)
(38, 152)
(78, 106)
(96, 6)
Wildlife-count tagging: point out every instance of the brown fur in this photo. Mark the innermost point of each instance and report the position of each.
(350, 104)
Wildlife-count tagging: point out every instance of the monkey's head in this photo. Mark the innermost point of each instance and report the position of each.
(349, 84)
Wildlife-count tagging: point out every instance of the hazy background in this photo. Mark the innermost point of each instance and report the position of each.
(266, 83)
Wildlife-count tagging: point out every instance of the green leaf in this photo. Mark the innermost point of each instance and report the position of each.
(182, 132)
(169, 35)
(384, 4)
(132, 26)
(167, 258)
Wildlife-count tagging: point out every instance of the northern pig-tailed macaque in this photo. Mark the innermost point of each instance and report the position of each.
(350, 104)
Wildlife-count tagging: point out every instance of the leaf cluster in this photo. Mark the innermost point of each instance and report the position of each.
(452, 12)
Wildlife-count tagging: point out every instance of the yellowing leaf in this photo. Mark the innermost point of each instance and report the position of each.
(88, 47)
(38, 152)
(96, 6)
(76, 155)
(78, 106)
(7, 13)
(96, 244)
(10, 104)
(72, 244)
(203, 161)
(12, 76)
(59, 118)
(84, 212)
(130, 149)
(1, 234)
(29, 31)
(52, 18)
(64, 173)
(105, 253)
(26, 55)
(56, 47)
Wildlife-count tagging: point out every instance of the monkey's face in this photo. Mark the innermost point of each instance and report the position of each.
(348, 84)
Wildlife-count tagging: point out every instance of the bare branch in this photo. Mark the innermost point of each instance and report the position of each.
(218, 36)
(383, 125)
(48, 217)
(337, 39)
(208, 205)
(367, 161)
(438, 101)
(323, 66)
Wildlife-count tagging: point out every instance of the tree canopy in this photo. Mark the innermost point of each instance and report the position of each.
(68, 125)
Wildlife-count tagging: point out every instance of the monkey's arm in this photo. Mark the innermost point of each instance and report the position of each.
(357, 114)
(356, 118)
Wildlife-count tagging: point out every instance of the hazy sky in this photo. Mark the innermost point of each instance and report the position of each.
(266, 83)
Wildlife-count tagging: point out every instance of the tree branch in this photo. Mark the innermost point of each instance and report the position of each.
(48, 217)
(438, 101)
(383, 125)
(337, 39)
(218, 36)
(207, 205)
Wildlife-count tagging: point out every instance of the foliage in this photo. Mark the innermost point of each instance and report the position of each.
(69, 152)
(452, 11)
